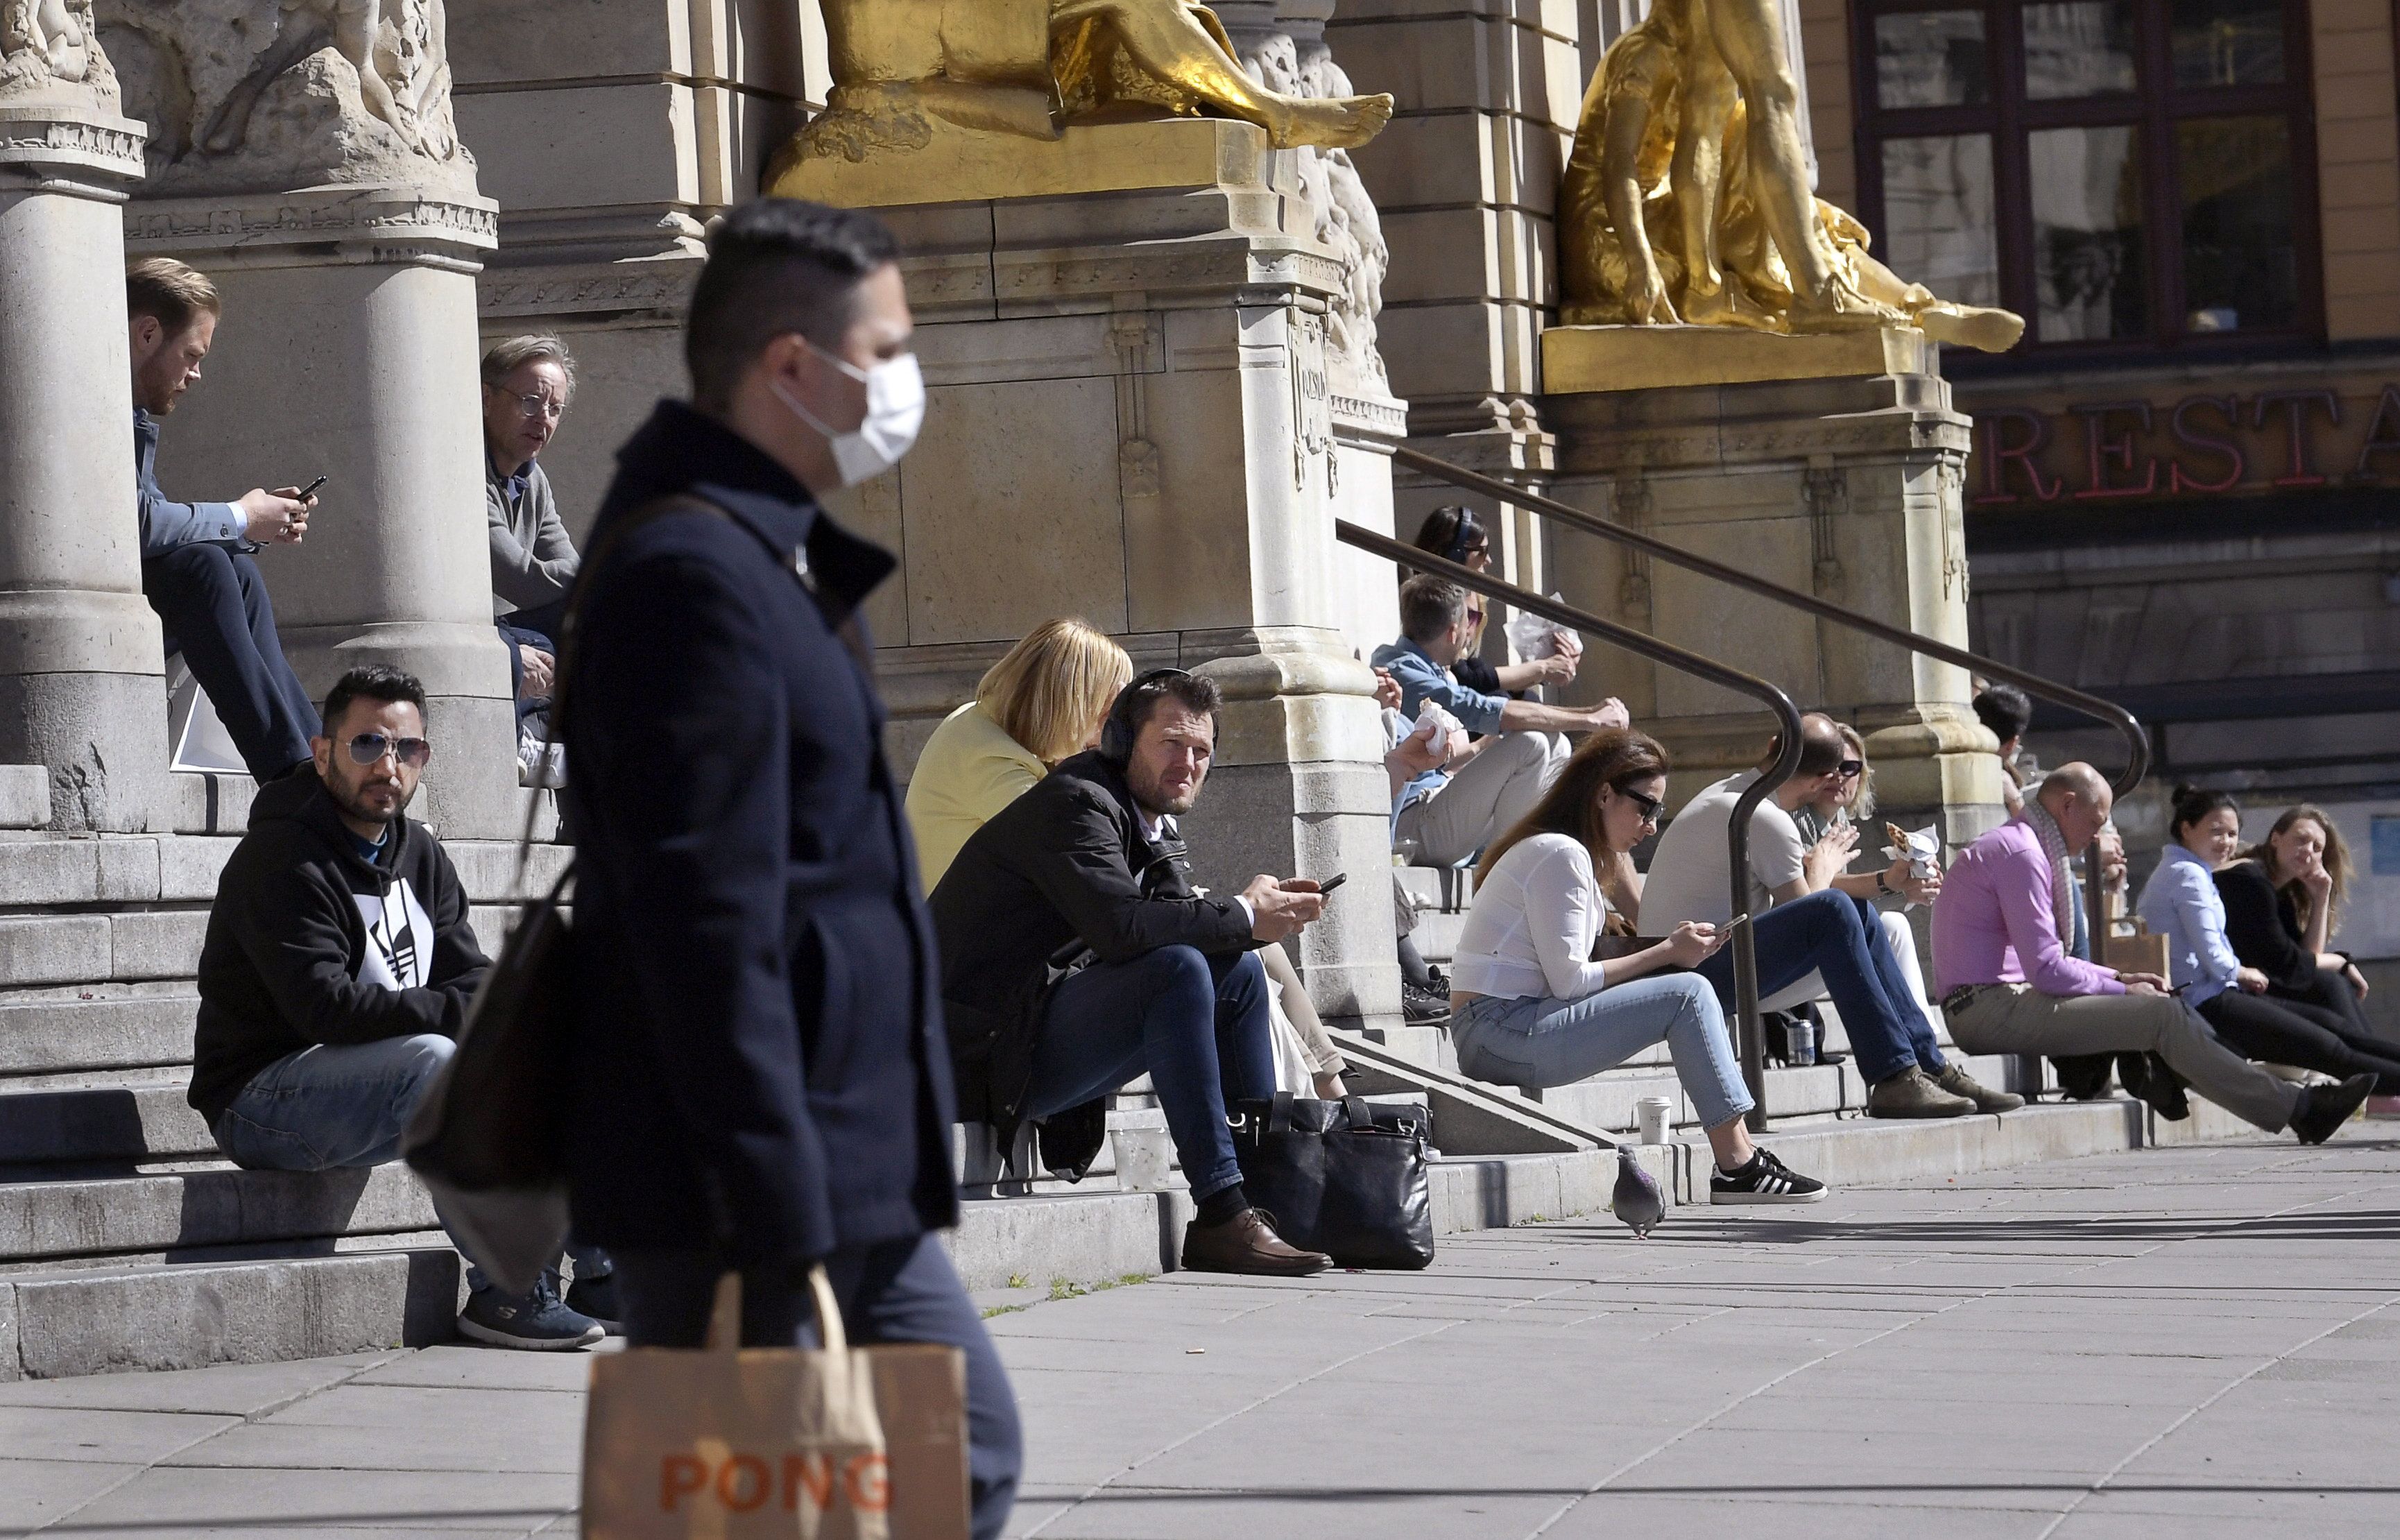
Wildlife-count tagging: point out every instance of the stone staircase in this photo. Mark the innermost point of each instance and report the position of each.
(127, 1243)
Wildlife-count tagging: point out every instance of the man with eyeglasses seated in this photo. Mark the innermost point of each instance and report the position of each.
(1077, 956)
(1817, 929)
(337, 970)
(528, 382)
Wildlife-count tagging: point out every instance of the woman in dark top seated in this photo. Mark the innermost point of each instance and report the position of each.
(1456, 534)
(2282, 902)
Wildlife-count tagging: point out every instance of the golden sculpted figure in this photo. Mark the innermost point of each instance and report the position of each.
(1028, 67)
(1688, 200)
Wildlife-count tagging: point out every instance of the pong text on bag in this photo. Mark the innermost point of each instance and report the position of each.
(745, 1484)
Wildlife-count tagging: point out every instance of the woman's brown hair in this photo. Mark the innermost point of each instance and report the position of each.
(2336, 862)
(1615, 759)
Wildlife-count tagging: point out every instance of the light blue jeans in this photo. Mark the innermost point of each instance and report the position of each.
(1534, 1042)
(335, 1105)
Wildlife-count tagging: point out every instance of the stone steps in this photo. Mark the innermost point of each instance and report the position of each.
(194, 1305)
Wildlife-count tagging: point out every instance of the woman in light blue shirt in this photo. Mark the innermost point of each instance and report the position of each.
(2180, 902)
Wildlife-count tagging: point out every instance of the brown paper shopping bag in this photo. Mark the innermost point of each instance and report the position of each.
(728, 1443)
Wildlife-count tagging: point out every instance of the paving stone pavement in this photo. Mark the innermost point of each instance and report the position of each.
(2191, 1342)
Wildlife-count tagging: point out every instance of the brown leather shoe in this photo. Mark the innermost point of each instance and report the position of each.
(1246, 1243)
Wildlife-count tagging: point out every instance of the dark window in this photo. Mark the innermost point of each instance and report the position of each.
(2127, 174)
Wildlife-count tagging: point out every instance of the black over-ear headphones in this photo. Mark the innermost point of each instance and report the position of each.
(1123, 724)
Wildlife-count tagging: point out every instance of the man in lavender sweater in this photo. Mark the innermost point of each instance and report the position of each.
(2008, 986)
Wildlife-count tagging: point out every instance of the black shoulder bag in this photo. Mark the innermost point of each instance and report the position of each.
(1346, 1178)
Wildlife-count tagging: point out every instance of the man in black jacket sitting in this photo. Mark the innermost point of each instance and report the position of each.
(1086, 867)
(337, 969)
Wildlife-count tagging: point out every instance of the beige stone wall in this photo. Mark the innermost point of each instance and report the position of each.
(1467, 178)
(1825, 44)
(2358, 166)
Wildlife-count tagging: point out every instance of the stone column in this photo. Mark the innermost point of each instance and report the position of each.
(81, 688)
(338, 212)
(1845, 485)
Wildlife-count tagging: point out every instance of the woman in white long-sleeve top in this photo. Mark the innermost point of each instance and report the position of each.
(2181, 902)
(1530, 1008)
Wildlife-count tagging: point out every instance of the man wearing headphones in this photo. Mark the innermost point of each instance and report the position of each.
(1076, 956)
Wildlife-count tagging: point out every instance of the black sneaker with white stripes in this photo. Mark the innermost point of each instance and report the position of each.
(1764, 1179)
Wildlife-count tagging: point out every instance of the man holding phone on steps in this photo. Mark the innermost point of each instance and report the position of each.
(1077, 956)
(196, 571)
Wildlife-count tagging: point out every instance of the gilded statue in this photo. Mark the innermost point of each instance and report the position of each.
(1029, 67)
(1687, 200)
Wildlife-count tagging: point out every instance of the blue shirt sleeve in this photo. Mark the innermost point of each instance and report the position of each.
(165, 525)
(1421, 679)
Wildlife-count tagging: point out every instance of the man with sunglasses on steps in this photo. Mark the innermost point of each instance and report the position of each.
(337, 969)
(1818, 932)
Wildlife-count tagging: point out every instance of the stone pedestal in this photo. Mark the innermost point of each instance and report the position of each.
(1132, 420)
(348, 350)
(80, 687)
(1847, 487)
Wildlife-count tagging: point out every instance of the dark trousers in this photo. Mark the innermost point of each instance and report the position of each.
(902, 1291)
(1197, 1024)
(1839, 937)
(2333, 993)
(530, 628)
(213, 605)
(2283, 1031)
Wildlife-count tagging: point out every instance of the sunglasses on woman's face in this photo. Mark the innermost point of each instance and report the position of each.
(1649, 807)
(369, 747)
(1849, 769)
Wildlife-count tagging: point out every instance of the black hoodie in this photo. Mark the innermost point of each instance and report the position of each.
(310, 942)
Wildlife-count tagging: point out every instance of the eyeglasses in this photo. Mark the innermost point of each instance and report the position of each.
(540, 406)
(369, 747)
(1849, 769)
(1650, 807)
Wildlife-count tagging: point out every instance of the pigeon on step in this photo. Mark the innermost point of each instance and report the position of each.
(1637, 1200)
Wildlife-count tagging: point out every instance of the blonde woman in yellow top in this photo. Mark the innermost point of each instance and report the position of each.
(1041, 704)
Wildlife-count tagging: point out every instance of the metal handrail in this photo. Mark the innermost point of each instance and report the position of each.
(2137, 742)
(1744, 944)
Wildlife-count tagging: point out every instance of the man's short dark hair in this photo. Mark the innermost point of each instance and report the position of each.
(2004, 710)
(777, 266)
(1431, 606)
(372, 682)
(1138, 703)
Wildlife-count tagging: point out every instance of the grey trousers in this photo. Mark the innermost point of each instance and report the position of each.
(2011, 1018)
(1484, 798)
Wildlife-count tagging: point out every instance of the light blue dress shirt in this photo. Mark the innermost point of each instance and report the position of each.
(1421, 679)
(2180, 903)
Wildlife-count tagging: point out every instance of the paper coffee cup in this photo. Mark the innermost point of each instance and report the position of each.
(1656, 1115)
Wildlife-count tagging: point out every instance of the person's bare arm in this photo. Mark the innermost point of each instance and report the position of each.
(1533, 716)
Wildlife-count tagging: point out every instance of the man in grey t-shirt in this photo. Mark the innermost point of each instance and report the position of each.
(1813, 919)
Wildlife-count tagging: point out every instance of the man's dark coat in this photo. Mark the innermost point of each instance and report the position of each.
(760, 1070)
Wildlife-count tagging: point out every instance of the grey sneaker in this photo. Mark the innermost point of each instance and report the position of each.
(538, 1322)
(1959, 1083)
(1912, 1093)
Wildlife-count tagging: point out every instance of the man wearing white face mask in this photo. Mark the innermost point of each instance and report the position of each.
(760, 1052)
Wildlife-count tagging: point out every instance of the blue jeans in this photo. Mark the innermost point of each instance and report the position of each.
(901, 1291)
(1840, 937)
(214, 605)
(521, 629)
(1197, 1025)
(332, 1106)
(1534, 1043)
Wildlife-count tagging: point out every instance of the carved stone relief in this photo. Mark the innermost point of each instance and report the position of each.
(252, 95)
(1283, 47)
(50, 48)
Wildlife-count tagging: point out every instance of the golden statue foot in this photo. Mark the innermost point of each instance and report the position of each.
(1333, 123)
(1971, 326)
(1840, 307)
(1727, 306)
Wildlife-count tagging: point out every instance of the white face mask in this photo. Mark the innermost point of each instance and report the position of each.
(895, 410)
